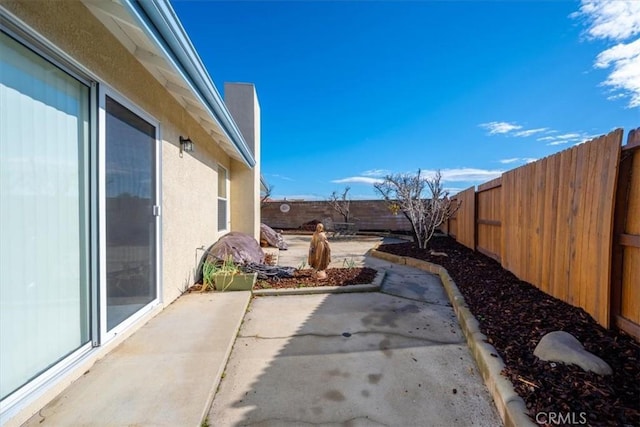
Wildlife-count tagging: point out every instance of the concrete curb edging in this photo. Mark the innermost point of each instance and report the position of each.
(510, 405)
(369, 287)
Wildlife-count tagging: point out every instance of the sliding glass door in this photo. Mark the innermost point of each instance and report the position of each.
(130, 213)
(45, 286)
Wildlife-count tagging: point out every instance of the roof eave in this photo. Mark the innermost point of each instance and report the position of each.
(160, 22)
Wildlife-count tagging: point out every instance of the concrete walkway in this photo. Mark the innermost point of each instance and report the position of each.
(395, 358)
(165, 374)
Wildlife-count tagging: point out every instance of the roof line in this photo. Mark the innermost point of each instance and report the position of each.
(161, 22)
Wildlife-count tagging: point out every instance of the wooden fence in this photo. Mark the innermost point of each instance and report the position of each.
(551, 223)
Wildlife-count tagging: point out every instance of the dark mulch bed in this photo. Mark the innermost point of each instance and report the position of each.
(335, 277)
(514, 315)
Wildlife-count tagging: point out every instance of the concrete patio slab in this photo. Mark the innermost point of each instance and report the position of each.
(165, 374)
(356, 359)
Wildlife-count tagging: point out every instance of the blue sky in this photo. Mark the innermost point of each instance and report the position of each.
(351, 91)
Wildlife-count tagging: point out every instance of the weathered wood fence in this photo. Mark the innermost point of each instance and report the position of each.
(568, 224)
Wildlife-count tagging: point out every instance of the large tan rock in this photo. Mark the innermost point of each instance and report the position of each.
(560, 346)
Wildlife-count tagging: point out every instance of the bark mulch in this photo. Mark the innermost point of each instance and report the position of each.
(515, 315)
(335, 277)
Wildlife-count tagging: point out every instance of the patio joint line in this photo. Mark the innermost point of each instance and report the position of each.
(396, 334)
(382, 291)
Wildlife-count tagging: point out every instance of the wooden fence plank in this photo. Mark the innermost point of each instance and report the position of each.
(507, 201)
(593, 208)
(549, 229)
(557, 271)
(538, 227)
(576, 186)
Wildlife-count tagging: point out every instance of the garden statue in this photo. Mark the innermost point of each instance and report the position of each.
(319, 252)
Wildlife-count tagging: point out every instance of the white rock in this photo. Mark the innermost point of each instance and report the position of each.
(560, 346)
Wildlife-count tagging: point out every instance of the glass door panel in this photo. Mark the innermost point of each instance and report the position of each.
(44, 215)
(130, 220)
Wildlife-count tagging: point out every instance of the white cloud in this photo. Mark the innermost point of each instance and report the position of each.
(619, 52)
(358, 180)
(617, 21)
(292, 197)
(567, 136)
(610, 19)
(625, 76)
(376, 173)
(511, 129)
(546, 138)
(529, 132)
(573, 137)
(507, 161)
(448, 175)
(453, 190)
(495, 128)
(518, 159)
(275, 175)
(465, 174)
(616, 96)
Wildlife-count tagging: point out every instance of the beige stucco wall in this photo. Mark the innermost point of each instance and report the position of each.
(189, 182)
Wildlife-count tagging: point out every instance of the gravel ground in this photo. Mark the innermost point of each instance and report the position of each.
(335, 277)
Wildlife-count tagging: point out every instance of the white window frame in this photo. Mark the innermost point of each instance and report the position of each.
(105, 91)
(227, 198)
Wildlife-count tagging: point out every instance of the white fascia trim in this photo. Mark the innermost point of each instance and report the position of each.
(161, 24)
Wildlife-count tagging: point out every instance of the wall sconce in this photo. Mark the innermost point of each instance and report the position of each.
(186, 145)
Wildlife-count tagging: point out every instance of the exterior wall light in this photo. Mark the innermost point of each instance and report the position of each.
(186, 145)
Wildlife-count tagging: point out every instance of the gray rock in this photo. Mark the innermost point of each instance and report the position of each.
(272, 237)
(560, 346)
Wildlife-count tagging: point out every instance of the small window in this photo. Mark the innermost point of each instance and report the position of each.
(223, 205)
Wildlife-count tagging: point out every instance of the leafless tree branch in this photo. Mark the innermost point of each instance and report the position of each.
(341, 203)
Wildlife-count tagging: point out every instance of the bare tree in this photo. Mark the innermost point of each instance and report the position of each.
(266, 195)
(341, 203)
(405, 193)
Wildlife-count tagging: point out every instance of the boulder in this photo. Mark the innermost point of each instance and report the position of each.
(272, 238)
(560, 346)
(241, 247)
